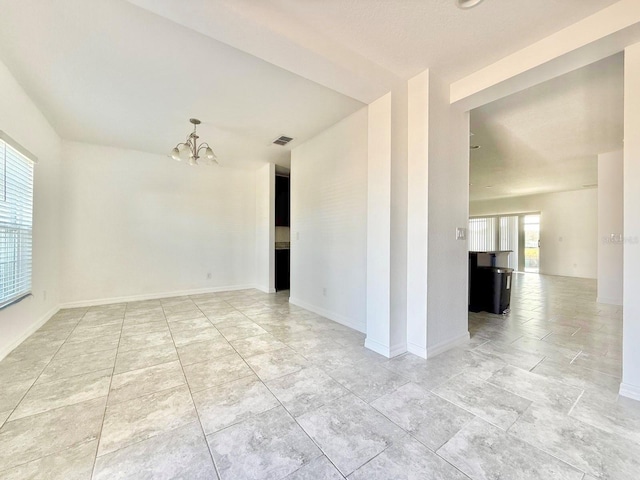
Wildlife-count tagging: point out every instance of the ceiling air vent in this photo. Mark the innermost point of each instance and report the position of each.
(282, 140)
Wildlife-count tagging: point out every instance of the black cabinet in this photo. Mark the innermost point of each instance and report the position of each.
(282, 201)
(282, 269)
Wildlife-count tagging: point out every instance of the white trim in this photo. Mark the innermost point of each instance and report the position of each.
(336, 317)
(264, 289)
(448, 345)
(30, 331)
(398, 349)
(609, 301)
(418, 350)
(630, 391)
(383, 350)
(16, 146)
(153, 296)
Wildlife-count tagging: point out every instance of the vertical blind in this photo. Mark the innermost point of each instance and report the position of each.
(483, 234)
(509, 238)
(495, 233)
(16, 216)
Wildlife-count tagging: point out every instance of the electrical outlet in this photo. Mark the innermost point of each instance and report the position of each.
(324, 291)
(209, 276)
(461, 233)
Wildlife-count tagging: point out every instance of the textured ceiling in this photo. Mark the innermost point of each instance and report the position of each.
(547, 138)
(131, 73)
(108, 72)
(407, 36)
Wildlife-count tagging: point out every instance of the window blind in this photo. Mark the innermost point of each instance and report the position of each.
(482, 234)
(509, 238)
(16, 219)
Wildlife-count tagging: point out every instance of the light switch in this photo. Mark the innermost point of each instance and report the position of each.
(461, 233)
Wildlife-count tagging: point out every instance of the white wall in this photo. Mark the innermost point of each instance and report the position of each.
(418, 213)
(399, 209)
(610, 222)
(138, 224)
(378, 243)
(568, 230)
(265, 228)
(447, 316)
(630, 386)
(21, 120)
(329, 222)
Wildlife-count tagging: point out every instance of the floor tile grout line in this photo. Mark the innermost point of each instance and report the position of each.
(575, 403)
(39, 375)
(574, 358)
(195, 408)
(302, 429)
(285, 409)
(106, 402)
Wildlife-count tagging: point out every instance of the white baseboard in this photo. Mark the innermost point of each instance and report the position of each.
(630, 391)
(609, 301)
(154, 296)
(347, 322)
(448, 345)
(383, 350)
(30, 331)
(264, 289)
(418, 350)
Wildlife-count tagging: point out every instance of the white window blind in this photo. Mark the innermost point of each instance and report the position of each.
(509, 238)
(16, 217)
(483, 234)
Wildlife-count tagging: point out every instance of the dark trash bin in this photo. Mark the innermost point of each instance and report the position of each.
(490, 289)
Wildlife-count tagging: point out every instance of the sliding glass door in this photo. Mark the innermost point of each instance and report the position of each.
(532, 243)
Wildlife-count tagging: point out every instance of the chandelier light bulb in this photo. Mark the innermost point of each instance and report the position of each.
(465, 4)
(175, 154)
(209, 153)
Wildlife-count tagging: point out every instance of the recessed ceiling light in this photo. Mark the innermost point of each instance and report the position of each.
(590, 185)
(464, 4)
(474, 147)
(488, 186)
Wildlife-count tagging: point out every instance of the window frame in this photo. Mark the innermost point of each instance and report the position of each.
(26, 156)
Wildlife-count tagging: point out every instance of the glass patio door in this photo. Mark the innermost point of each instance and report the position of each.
(532, 243)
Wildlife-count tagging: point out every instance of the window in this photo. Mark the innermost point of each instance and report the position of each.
(16, 215)
(483, 234)
(487, 234)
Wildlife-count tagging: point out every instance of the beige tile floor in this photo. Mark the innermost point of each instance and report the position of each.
(242, 385)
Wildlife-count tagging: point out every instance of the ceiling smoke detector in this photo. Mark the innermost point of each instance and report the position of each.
(282, 140)
(466, 4)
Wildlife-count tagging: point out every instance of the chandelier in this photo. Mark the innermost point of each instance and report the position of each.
(190, 150)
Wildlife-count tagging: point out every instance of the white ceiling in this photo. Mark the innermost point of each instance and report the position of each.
(108, 72)
(547, 138)
(131, 73)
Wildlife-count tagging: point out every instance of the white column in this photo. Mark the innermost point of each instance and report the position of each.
(379, 227)
(265, 228)
(418, 213)
(630, 386)
(448, 191)
(610, 227)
